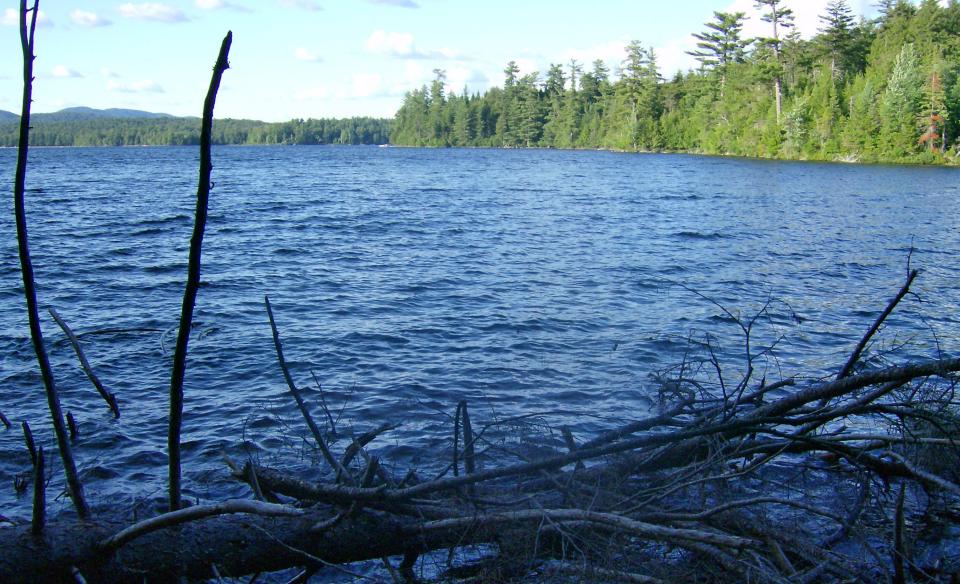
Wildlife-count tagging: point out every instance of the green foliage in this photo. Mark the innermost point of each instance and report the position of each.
(886, 90)
(186, 131)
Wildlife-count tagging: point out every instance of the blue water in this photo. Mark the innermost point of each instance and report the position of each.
(523, 281)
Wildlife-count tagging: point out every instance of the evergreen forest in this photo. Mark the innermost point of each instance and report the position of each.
(54, 130)
(871, 90)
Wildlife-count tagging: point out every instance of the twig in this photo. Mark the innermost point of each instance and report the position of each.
(304, 576)
(323, 404)
(251, 477)
(188, 514)
(469, 458)
(85, 364)
(571, 444)
(611, 520)
(899, 552)
(31, 444)
(312, 558)
(74, 487)
(321, 443)
(72, 426)
(193, 277)
(924, 476)
(366, 438)
(858, 350)
(5, 421)
(39, 495)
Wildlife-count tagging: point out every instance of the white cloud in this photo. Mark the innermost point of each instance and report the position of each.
(88, 19)
(152, 11)
(64, 72)
(304, 54)
(400, 3)
(526, 66)
(398, 44)
(108, 73)
(459, 77)
(366, 85)
(672, 56)
(145, 86)
(610, 52)
(11, 17)
(401, 45)
(311, 5)
(219, 5)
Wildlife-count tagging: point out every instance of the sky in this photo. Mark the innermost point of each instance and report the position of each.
(334, 58)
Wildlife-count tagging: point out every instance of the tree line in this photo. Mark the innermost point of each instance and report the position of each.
(873, 90)
(186, 131)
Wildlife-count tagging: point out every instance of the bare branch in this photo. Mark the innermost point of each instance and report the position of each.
(85, 364)
(74, 487)
(181, 516)
(193, 276)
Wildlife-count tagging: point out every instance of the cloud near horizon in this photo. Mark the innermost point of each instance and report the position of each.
(152, 11)
(402, 46)
(305, 54)
(88, 19)
(11, 17)
(64, 72)
(220, 5)
(398, 3)
(145, 86)
(311, 5)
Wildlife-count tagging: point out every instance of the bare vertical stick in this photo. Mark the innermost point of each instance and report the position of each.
(85, 364)
(193, 276)
(26, 264)
(31, 444)
(469, 464)
(72, 426)
(39, 496)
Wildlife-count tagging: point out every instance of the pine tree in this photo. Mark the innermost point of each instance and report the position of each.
(437, 106)
(837, 35)
(900, 106)
(780, 18)
(721, 45)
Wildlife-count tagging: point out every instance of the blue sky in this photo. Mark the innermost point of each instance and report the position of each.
(331, 58)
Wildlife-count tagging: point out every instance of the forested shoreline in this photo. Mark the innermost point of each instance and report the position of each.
(881, 90)
(173, 131)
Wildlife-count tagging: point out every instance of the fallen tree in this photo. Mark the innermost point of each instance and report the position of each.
(732, 479)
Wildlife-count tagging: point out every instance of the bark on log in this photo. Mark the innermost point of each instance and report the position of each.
(237, 545)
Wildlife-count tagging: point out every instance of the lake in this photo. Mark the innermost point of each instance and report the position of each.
(529, 282)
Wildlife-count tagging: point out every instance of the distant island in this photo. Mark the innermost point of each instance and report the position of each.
(83, 126)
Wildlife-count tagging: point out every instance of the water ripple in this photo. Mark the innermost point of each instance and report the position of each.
(407, 280)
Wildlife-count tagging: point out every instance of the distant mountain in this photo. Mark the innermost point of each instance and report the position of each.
(85, 113)
(77, 114)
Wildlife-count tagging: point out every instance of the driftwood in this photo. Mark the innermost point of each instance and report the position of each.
(694, 491)
(677, 483)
